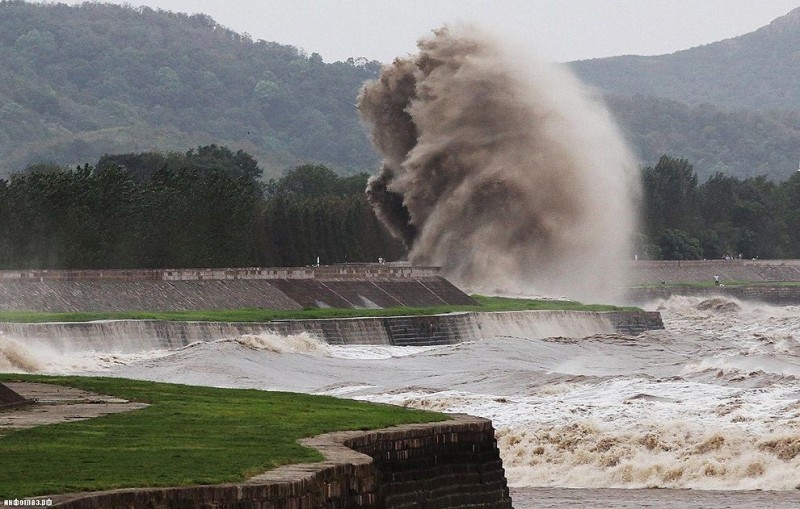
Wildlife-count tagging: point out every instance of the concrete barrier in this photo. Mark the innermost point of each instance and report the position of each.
(442, 465)
(359, 286)
(781, 295)
(9, 398)
(130, 336)
(645, 272)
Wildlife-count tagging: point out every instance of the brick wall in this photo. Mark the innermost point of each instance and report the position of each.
(438, 466)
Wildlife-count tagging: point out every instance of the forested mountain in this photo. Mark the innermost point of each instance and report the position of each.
(756, 71)
(731, 106)
(77, 82)
(738, 143)
(80, 81)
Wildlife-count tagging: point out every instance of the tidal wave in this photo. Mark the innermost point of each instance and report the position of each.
(712, 402)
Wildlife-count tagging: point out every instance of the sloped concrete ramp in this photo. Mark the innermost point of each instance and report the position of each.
(9, 398)
(360, 286)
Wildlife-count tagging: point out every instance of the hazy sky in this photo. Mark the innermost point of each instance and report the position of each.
(559, 30)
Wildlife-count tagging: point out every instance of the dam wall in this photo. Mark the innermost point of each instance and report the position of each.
(444, 465)
(346, 286)
(131, 336)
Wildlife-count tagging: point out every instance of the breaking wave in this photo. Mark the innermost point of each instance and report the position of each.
(711, 402)
(501, 168)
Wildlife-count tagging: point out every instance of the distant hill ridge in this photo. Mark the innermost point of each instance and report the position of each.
(730, 106)
(78, 82)
(756, 71)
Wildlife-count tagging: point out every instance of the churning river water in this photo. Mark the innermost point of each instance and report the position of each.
(708, 408)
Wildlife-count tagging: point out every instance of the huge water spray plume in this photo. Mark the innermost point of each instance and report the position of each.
(500, 168)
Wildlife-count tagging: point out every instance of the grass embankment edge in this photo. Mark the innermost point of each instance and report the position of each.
(485, 304)
(187, 436)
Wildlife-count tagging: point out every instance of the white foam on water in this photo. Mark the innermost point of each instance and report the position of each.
(303, 342)
(27, 356)
(366, 352)
(652, 454)
(712, 402)
(16, 358)
(637, 433)
(344, 390)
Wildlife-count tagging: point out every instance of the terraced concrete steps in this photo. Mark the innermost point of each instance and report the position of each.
(212, 289)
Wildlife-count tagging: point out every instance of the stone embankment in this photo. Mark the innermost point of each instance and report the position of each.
(741, 279)
(781, 295)
(341, 286)
(451, 464)
(646, 272)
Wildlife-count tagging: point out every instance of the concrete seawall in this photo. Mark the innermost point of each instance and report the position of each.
(657, 280)
(645, 272)
(129, 336)
(438, 466)
(782, 295)
(349, 286)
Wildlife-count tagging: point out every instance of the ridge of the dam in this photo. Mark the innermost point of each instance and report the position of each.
(279, 288)
(341, 286)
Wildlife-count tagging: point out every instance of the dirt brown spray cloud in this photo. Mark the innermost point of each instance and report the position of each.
(502, 169)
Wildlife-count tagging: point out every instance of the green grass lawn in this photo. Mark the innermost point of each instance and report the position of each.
(266, 315)
(189, 435)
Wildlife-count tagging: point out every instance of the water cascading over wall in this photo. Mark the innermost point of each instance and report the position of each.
(133, 336)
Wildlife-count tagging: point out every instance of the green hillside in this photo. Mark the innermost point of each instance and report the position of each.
(77, 82)
(756, 71)
(737, 143)
(731, 106)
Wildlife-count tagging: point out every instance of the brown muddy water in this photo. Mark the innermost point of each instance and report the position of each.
(708, 410)
(552, 498)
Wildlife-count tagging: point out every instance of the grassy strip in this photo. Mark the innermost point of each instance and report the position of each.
(189, 435)
(267, 315)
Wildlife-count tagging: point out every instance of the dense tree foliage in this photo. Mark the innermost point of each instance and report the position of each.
(205, 158)
(724, 216)
(202, 208)
(75, 80)
(207, 208)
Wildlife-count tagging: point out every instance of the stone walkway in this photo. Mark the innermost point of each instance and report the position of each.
(56, 403)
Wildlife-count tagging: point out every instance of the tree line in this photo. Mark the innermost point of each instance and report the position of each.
(209, 207)
(204, 208)
(723, 217)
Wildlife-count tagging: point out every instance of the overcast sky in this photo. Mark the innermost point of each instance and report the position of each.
(559, 30)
